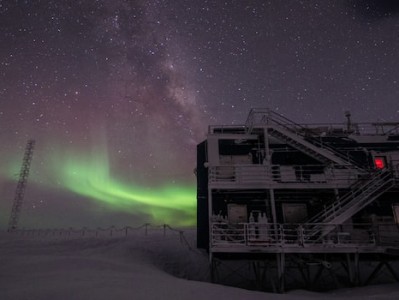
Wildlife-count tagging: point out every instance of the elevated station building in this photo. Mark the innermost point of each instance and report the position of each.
(280, 194)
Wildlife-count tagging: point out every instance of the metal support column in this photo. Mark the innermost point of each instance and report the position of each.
(213, 265)
(357, 270)
(349, 269)
(260, 268)
(280, 258)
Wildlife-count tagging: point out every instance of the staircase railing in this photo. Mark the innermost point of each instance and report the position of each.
(268, 117)
(357, 192)
(351, 203)
(317, 151)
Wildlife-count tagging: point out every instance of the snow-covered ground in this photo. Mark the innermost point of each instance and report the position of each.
(152, 266)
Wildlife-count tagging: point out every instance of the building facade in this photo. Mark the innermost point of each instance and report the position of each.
(272, 190)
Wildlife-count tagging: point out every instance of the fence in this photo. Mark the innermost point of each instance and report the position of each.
(112, 231)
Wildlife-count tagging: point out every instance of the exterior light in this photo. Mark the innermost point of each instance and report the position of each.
(379, 162)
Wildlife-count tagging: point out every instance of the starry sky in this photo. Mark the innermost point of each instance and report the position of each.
(118, 93)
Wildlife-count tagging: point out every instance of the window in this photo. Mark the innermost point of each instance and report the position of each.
(379, 162)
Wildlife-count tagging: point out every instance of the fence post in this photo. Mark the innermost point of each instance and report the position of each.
(181, 236)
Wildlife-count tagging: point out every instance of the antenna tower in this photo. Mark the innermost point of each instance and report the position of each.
(20, 190)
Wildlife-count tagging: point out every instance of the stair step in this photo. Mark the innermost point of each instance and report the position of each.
(352, 202)
(321, 154)
(360, 194)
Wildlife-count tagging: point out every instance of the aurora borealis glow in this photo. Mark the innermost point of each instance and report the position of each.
(89, 176)
(92, 179)
(117, 94)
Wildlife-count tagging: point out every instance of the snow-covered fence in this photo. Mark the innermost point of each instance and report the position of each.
(112, 231)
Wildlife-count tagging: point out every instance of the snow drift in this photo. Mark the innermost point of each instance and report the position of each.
(158, 265)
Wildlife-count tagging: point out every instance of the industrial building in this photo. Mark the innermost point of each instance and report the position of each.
(284, 195)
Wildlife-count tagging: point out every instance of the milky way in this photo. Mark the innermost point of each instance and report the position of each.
(118, 93)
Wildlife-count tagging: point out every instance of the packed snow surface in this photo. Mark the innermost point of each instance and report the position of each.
(139, 266)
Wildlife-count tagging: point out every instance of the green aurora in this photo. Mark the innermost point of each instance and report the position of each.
(89, 176)
(162, 204)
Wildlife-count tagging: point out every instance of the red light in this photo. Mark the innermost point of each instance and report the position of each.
(379, 162)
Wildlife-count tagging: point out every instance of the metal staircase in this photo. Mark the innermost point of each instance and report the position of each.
(361, 194)
(300, 138)
(323, 155)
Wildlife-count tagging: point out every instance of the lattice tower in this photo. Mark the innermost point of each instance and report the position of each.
(21, 186)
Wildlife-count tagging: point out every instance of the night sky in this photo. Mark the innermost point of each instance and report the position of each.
(118, 93)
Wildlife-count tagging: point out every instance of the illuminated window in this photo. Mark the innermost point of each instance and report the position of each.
(379, 162)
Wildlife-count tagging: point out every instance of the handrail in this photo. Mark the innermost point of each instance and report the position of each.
(274, 174)
(301, 235)
(357, 128)
(396, 128)
(377, 182)
(314, 141)
(270, 117)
